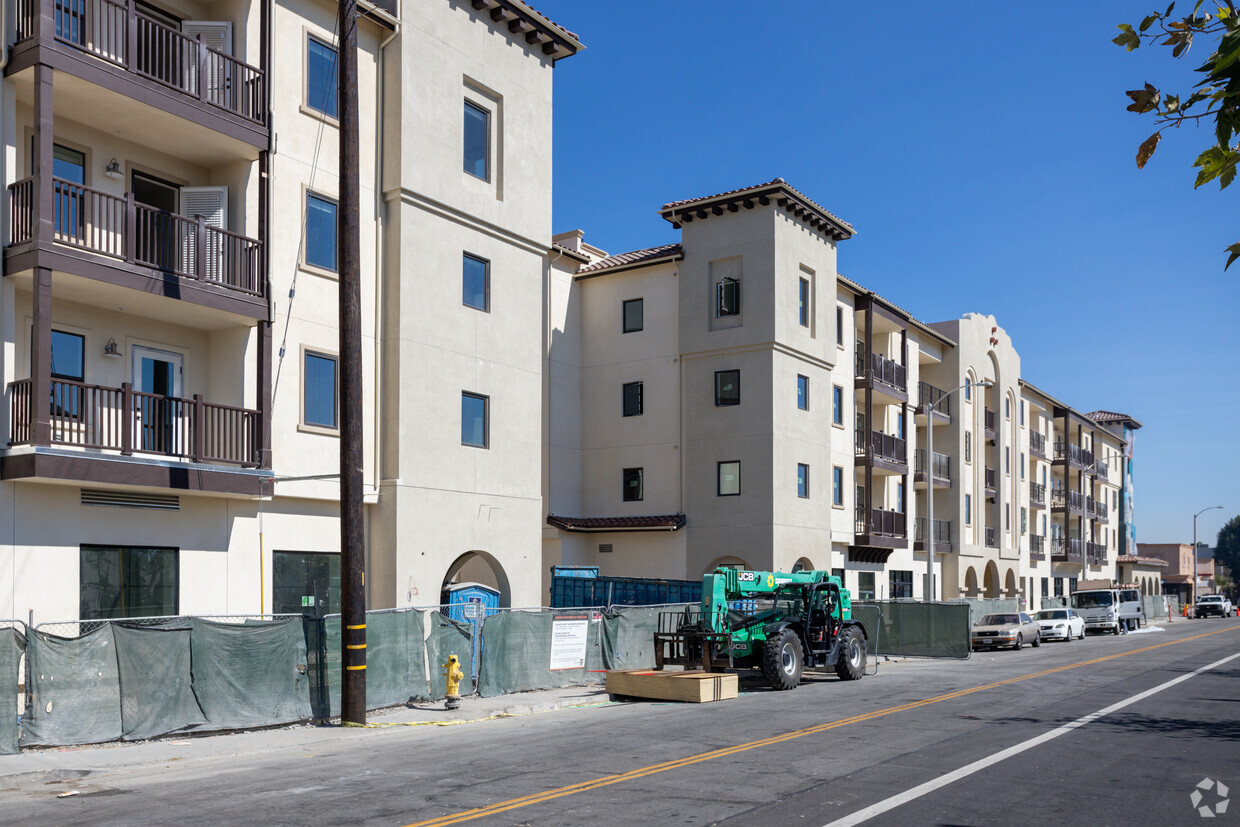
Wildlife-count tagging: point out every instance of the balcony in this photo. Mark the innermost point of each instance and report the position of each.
(1096, 554)
(1037, 445)
(878, 527)
(1037, 547)
(97, 428)
(1100, 468)
(118, 240)
(883, 451)
(1065, 550)
(940, 465)
(1066, 452)
(989, 417)
(1037, 495)
(942, 535)
(989, 481)
(883, 375)
(116, 46)
(992, 539)
(1063, 500)
(928, 395)
(1089, 506)
(1101, 511)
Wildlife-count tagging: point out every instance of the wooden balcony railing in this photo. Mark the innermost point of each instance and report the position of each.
(122, 419)
(928, 394)
(122, 228)
(146, 47)
(1065, 550)
(883, 523)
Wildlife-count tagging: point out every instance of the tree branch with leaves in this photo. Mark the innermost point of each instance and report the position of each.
(1216, 97)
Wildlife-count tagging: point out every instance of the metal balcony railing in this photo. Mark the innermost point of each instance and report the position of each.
(1037, 493)
(928, 394)
(888, 372)
(1037, 444)
(990, 479)
(1073, 453)
(992, 540)
(942, 531)
(1065, 550)
(1061, 498)
(882, 523)
(941, 464)
(1037, 547)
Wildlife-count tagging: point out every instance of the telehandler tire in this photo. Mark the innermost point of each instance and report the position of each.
(851, 665)
(782, 660)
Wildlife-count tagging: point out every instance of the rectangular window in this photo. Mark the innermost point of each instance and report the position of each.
(968, 388)
(1059, 587)
(1022, 412)
(727, 388)
(838, 574)
(900, 496)
(803, 303)
(69, 205)
(320, 232)
(320, 391)
(632, 398)
(968, 446)
(837, 405)
(839, 326)
(1071, 585)
(1007, 460)
(1024, 520)
(900, 425)
(1007, 408)
(633, 491)
(321, 78)
(1043, 525)
(728, 478)
(865, 585)
(901, 584)
(634, 316)
(803, 392)
(837, 485)
(860, 501)
(1007, 517)
(477, 141)
(1022, 465)
(305, 582)
(475, 410)
(475, 282)
(728, 297)
(1046, 586)
(68, 356)
(968, 509)
(802, 481)
(120, 582)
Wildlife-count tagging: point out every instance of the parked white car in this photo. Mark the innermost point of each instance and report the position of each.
(1060, 624)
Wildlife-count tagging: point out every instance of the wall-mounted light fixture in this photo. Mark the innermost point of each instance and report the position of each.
(113, 169)
(112, 349)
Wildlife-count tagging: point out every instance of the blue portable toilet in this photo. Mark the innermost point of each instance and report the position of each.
(470, 601)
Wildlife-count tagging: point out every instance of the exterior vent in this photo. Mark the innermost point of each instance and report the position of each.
(126, 499)
(604, 548)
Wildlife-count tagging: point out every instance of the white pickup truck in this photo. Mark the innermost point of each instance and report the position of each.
(1213, 604)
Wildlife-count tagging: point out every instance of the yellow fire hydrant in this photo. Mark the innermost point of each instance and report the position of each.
(452, 671)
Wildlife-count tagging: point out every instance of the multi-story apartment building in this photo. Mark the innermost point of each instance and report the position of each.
(168, 302)
(686, 423)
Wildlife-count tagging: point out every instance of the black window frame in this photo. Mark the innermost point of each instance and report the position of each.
(638, 303)
(632, 399)
(864, 593)
(839, 325)
(722, 401)
(900, 581)
(466, 140)
(802, 392)
(486, 419)
(803, 302)
(727, 297)
(466, 259)
(803, 480)
(125, 569)
(81, 341)
(629, 492)
(719, 478)
(334, 359)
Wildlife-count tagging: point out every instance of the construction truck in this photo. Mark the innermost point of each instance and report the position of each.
(781, 623)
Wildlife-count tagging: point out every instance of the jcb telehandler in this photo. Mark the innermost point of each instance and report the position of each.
(779, 622)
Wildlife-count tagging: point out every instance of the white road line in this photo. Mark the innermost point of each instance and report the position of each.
(989, 761)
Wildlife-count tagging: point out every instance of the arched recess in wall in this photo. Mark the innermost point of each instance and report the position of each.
(482, 568)
(1009, 585)
(803, 564)
(991, 583)
(970, 582)
(727, 563)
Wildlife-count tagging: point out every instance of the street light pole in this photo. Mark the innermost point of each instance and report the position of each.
(1192, 578)
(929, 590)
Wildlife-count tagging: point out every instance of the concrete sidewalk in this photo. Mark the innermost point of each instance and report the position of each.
(65, 769)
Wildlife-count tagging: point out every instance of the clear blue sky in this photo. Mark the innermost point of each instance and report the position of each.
(983, 154)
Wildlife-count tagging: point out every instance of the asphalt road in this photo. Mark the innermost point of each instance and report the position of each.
(1003, 738)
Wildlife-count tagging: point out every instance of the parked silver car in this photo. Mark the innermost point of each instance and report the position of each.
(1013, 629)
(1060, 624)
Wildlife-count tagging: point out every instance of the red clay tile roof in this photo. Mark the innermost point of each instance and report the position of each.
(660, 522)
(770, 187)
(1144, 561)
(1111, 416)
(636, 257)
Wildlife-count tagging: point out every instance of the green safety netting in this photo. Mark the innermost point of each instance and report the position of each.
(870, 616)
(927, 630)
(12, 642)
(540, 650)
(156, 686)
(323, 647)
(395, 658)
(253, 674)
(448, 637)
(628, 636)
(75, 695)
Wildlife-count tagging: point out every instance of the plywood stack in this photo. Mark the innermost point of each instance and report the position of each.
(695, 686)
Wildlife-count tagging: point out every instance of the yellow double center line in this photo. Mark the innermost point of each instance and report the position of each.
(642, 772)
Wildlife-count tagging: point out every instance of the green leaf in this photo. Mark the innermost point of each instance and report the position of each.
(1147, 149)
(1212, 163)
(1147, 22)
(1127, 39)
(1226, 176)
(1234, 249)
(1171, 104)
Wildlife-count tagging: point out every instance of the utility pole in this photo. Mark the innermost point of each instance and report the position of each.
(352, 550)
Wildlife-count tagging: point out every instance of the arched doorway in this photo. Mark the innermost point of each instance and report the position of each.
(970, 582)
(1010, 588)
(991, 583)
(479, 567)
